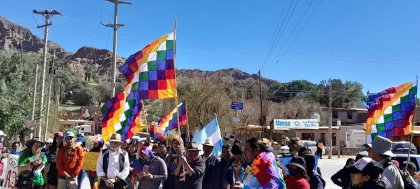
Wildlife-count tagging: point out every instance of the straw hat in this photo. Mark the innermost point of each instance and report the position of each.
(115, 138)
(208, 142)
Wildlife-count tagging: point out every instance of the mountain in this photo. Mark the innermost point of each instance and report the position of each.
(93, 61)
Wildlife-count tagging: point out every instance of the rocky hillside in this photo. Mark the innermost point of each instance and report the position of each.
(93, 61)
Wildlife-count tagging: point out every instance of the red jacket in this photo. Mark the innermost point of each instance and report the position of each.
(69, 161)
(297, 183)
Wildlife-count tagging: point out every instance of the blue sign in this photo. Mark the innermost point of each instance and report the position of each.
(237, 106)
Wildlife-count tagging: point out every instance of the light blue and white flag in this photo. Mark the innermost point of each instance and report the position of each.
(212, 131)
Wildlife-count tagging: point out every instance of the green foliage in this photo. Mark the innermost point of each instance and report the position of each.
(15, 92)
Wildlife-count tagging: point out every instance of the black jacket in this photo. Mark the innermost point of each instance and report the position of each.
(342, 178)
(209, 180)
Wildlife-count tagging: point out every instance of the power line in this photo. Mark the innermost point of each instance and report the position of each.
(300, 31)
(282, 29)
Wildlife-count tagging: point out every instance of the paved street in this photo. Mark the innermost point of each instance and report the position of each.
(331, 166)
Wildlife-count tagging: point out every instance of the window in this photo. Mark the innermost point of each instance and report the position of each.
(308, 136)
(334, 138)
(323, 137)
(349, 115)
(335, 114)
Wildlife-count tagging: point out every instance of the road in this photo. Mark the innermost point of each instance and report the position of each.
(331, 166)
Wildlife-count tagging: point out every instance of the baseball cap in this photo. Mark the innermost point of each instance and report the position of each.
(69, 134)
(367, 166)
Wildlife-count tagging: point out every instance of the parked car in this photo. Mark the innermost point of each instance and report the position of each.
(415, 158)
(311, 145)
(402, 147)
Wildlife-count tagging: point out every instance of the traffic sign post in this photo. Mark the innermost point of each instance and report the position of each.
(237, 106)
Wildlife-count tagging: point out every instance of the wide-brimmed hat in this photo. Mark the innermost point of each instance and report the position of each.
(31, 142)
(298, 162)
(115, 138)
(381, 145)
(193, 147)
(208, 142)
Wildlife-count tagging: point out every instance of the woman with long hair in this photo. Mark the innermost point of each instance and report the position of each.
(31, 164)
(51, 153)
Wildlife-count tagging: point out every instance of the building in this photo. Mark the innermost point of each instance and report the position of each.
(72, 116)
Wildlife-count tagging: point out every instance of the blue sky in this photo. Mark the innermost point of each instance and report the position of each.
(374, 42)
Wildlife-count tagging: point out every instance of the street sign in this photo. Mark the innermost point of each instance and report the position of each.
(237, 106)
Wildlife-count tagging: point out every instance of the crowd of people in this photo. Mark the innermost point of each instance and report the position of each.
(173, 164)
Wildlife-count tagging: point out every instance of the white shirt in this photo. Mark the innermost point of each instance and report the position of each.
(113, 165)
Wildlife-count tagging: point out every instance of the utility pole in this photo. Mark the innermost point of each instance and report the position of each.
(51, 74)
(330, 120)
(115, 26)
(261, 106)
(47, 15)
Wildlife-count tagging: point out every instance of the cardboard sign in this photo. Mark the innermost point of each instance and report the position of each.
(89, 161)
(10, 179)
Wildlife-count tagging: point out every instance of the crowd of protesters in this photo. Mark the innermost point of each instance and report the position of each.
(175, 163)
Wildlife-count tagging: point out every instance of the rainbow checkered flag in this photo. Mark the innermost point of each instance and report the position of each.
(169, 122)
(121, 114)
(391, 111)
(150, 73)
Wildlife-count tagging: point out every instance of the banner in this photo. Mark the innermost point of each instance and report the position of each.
(10, 179)
(89, 161)
(296, 123)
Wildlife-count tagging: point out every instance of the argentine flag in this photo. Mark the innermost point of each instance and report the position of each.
(212, 131)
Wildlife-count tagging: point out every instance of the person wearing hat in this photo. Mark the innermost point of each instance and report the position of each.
(209, 180)
(51, 153)
(154, 171)
(31, 164)
(298, 178)
(365, 174)
(380, 151)
(113, 165)
(69, 162)
(191, 169)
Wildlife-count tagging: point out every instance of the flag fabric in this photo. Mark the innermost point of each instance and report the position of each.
(390, 112)
(121, 114)
(169, 122)
(212, 131)
(150, 73)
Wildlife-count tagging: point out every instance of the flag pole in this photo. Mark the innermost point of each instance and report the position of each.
(145, 116)
(188, 123)
(412, 124)
(176, 98)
